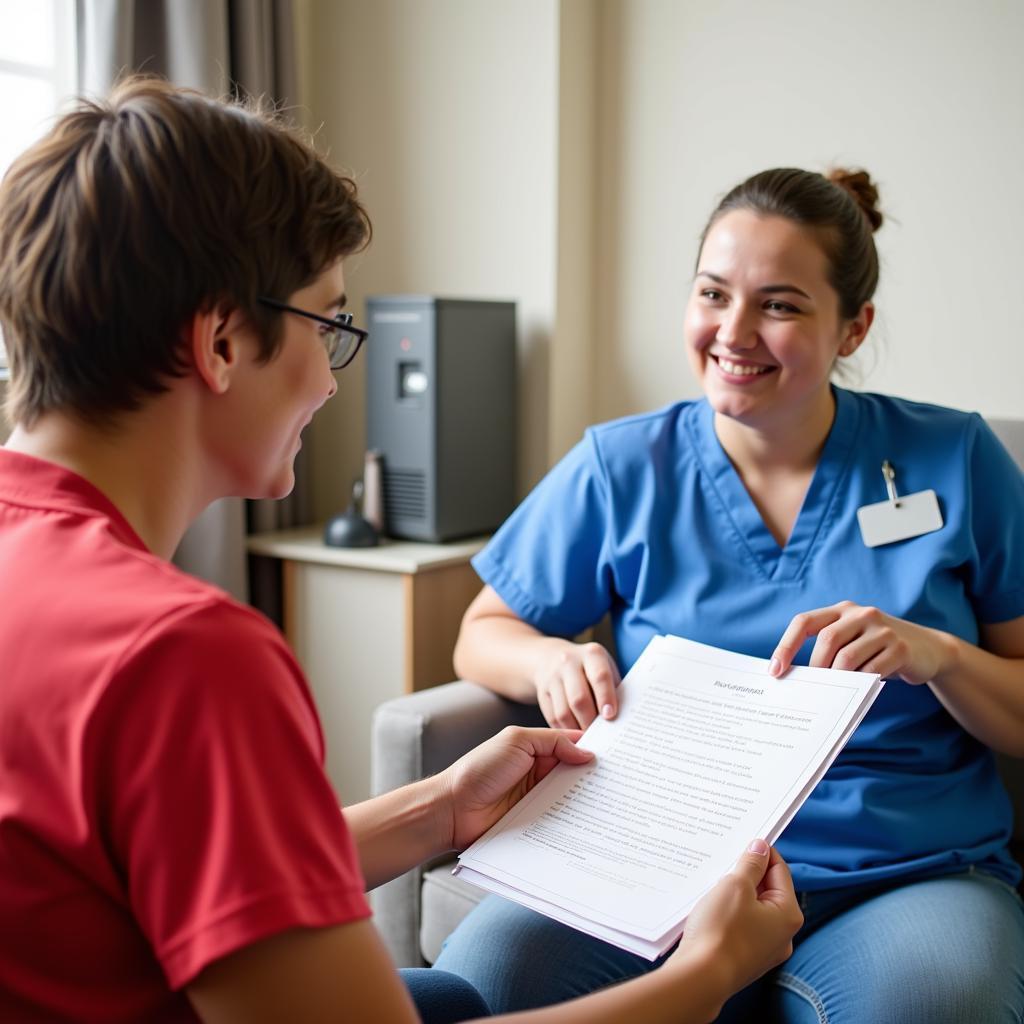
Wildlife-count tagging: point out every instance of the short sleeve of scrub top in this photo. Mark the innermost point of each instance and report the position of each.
(549, 562)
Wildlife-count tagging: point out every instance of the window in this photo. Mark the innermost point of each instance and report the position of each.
(38, 73)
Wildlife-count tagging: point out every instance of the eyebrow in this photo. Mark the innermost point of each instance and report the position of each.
(340, 302)
(768, 289)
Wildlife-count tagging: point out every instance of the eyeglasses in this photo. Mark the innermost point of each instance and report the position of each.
(340, 338)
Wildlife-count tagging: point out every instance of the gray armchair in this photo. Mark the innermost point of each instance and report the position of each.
(422, 733)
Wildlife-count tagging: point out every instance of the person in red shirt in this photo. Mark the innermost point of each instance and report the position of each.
(171, 296)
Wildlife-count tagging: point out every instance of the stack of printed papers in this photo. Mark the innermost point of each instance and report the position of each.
(708, 751)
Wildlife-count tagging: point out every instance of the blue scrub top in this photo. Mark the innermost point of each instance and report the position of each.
(647, 519)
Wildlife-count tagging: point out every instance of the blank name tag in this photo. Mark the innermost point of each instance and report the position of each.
(911, 515)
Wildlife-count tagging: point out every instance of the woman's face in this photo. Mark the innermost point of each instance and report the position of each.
(762, 323)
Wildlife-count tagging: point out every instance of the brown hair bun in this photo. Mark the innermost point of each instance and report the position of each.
(863, 190)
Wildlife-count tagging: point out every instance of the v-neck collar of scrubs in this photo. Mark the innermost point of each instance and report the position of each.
(740, 514)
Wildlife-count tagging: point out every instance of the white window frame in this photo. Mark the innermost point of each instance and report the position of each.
(62, 75)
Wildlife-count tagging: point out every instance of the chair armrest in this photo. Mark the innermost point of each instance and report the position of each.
(415, 736)
(422, 733)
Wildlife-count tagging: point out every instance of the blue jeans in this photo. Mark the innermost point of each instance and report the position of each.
(946, 950)
(442, 998)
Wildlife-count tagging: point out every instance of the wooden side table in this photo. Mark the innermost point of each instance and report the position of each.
(368, 624)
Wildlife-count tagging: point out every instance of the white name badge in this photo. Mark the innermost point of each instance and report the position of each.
(910, 515)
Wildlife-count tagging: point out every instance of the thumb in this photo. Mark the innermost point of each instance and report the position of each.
(551, 746)
(753, 862)
(566, 749)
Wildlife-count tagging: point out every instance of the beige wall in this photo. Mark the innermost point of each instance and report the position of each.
(573, 370)
(566, 154)
(927, 97)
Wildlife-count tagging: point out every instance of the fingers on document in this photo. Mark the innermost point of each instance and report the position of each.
(802, 626)
(603, 677)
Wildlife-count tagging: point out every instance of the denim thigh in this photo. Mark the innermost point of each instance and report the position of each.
(518, 959)
(443, 998)
(946, 950)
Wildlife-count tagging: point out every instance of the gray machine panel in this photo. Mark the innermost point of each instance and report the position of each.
(400, 420)
(441, 410)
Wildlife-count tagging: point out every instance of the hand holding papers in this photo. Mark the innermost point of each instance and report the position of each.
(707, 752)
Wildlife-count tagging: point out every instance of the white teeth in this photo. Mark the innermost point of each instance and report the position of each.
(741, 371)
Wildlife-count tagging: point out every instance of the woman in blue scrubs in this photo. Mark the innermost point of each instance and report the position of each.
(733, 521)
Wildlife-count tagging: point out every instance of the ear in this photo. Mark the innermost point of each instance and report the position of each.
(856, 330)
(215, 343)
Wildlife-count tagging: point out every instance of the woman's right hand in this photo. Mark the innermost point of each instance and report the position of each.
(575, 683)
(745, 925)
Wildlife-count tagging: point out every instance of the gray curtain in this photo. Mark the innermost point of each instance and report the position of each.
(221, 47)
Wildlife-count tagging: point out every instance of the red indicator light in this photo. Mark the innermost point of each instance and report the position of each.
(405, 344)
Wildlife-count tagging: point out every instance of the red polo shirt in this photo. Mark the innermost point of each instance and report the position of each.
(163, 800)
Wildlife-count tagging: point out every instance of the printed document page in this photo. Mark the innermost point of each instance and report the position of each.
(707, 752)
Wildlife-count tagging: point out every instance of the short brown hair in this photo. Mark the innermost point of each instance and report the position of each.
(134, 213)
(842, 206)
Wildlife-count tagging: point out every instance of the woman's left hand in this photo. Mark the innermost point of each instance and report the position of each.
(860, 638)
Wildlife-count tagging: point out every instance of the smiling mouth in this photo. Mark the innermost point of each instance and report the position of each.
(741, 369)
